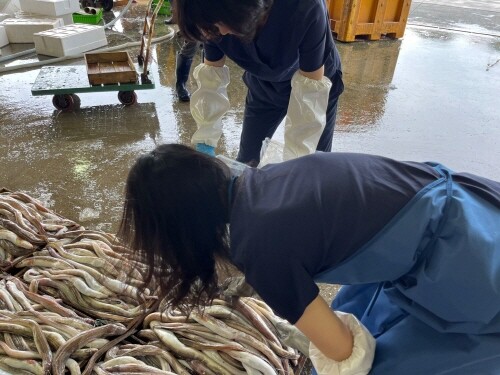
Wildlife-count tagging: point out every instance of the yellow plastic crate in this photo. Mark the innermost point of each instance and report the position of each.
(368, 18)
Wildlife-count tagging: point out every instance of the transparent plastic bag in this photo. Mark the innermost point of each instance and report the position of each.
(236, 167)
(271, 152)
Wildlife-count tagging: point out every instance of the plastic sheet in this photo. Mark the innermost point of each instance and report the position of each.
(271, 152)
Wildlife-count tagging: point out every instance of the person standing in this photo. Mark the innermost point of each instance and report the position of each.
(415, 245)
(291, 68)
(183, 62)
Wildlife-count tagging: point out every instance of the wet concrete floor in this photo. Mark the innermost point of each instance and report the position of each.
(432, 95)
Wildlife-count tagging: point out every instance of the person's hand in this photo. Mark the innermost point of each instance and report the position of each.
(287, 333)
(206, 149)
(209, 102)
(291, 336)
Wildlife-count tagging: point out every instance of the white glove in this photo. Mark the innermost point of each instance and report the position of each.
(209, 102)
(291, 336)
(361, 359)
(306, 115)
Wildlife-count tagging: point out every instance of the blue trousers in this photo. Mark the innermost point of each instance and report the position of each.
(406, 345)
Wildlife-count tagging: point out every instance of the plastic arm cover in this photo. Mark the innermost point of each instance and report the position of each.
(361, 359)
(209, 103)
(306, 115)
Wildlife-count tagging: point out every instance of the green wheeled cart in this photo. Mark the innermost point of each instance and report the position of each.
(64, 82)
(103, 71)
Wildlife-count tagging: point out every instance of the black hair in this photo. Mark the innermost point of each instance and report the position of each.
(175, 219)
(197, 18)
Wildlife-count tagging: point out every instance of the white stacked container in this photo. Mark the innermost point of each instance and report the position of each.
(3, 37)
(69, 40)
(21, 30)
(52, 8)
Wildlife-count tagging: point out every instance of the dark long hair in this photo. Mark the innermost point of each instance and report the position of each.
(197, 18)
(175, 219)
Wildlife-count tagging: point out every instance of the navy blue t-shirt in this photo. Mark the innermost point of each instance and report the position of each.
(296, 35)
(293, 220)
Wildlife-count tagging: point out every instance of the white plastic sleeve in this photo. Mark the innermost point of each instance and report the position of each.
(306, 115)
(361, 359)
(209, 102)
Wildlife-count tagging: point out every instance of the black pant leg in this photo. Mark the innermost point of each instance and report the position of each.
(325, 141)
(265, 107)
(189, 48)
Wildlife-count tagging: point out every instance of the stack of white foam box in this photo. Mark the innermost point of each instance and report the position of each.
(11, 8)
(3, 34)
(4, 40)
(69, 40)
(52, 8)
(21, 30)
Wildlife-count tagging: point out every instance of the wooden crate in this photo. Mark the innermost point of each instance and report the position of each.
(368, 18)
(110, 68)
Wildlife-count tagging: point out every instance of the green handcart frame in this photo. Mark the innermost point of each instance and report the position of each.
(64, 82)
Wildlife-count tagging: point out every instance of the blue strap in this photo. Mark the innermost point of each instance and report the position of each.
(374, 298)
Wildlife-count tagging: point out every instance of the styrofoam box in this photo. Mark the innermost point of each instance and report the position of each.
(54, 8)
(3, 37)
(21, 30)
(67, 19)
(69, 40)
(11, 8)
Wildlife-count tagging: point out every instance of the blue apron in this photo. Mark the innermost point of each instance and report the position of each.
(428, 285)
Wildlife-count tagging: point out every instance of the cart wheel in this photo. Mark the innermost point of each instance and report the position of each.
(65, 102)
(127, 97)
(77, 101)
(107, 5)
(87, 3)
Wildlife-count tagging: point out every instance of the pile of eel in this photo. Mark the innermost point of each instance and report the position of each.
(72, 302)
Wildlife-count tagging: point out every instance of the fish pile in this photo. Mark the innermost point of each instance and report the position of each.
(39, 335)
(26, 226)
(89, 275)
(71, 302)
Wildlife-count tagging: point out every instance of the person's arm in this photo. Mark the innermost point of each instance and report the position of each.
(219, 63)
(320, 324)
(340, 344)
(316, 75)
(209, 103)
(306, 113)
